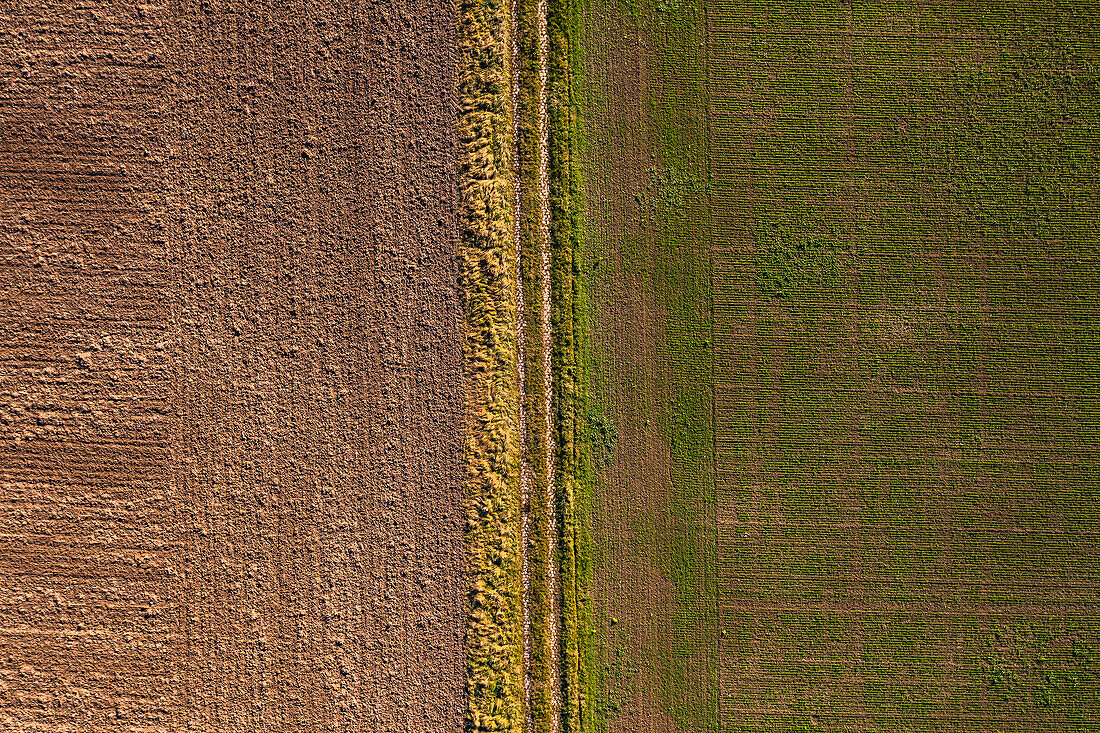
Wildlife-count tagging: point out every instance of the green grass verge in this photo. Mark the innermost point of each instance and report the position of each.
(574, 482)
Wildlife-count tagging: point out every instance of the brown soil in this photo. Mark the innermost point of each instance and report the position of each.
(231, 393)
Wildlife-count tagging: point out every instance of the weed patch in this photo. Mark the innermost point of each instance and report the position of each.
(793, 257)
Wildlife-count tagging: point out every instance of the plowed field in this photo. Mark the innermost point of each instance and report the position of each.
(230, 375)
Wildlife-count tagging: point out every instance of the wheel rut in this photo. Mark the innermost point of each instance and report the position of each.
(547, 364)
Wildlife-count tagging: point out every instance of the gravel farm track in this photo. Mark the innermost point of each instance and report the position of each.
(231, 397)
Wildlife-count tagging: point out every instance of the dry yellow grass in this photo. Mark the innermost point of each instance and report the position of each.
(494, 665)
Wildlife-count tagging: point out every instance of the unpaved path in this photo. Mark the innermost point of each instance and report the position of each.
(230, 399)
(546, 344)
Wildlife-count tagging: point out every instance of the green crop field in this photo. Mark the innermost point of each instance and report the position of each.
(845, 279)
(654, 519)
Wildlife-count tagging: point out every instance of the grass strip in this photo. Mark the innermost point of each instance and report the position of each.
(488, 268)
(574, 465)
(494, 674)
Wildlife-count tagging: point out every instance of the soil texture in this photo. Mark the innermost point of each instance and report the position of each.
(231, 399)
